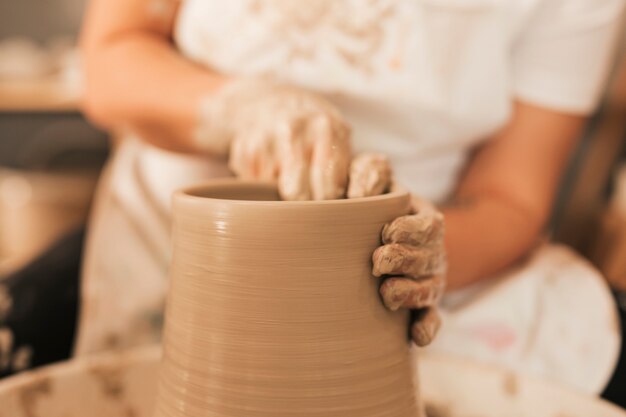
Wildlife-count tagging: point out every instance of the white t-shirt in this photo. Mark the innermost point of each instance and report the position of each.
(422, 81)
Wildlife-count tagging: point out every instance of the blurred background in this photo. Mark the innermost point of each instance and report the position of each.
(50, 156)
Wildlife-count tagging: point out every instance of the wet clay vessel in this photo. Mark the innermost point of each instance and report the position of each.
(273, 312)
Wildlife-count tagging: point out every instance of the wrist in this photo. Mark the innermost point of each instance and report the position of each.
(213, 126)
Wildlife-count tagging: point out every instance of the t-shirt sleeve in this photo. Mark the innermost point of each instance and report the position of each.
(563, 56)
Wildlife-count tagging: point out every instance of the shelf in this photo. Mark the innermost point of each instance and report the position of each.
(44, 95)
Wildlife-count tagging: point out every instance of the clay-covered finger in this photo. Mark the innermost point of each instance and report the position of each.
(294, 159)
(238, 158)
(415, 262)
(254, 156)
(268, 170)
(370, 174)
(266, 163)
(402, 292)
(330, 161)
(424, 227)
(426, 324)
(261, 161)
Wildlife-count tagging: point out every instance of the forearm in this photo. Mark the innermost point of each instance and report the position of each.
(485, 236)
(507, 192)
(151, 90)
(136, 80)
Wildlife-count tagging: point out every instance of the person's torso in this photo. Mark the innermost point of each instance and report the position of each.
(419, 80)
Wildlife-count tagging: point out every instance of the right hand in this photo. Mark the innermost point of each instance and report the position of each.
(276, 132)
(412, 263)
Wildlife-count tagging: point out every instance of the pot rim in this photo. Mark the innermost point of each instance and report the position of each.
(189, 194)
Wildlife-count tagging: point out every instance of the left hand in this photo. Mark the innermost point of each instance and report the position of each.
(412, 263)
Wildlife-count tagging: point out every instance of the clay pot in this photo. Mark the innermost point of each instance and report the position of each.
(273, 311)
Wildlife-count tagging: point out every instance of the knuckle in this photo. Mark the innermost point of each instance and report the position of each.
(393, 293)
(387, 286)
(377, 253)
(377, 256)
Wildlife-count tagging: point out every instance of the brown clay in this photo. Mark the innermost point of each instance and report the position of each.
(273, 311)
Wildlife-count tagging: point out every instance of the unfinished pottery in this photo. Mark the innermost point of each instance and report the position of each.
(272, 309)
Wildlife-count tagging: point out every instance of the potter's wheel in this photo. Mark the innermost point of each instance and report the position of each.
(123, 384)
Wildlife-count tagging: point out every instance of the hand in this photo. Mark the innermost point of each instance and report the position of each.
(370, 174)
(412, 264)
(276, 132)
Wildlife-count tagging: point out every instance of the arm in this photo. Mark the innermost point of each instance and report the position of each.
(507, 192)
(506, 196)
(128, 53)
(560, 63)
(137, 80)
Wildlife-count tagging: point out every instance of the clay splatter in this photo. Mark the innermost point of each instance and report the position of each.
(30, 394)
(110, 381)
(112, 386)
(510, 384)
(437, 410)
